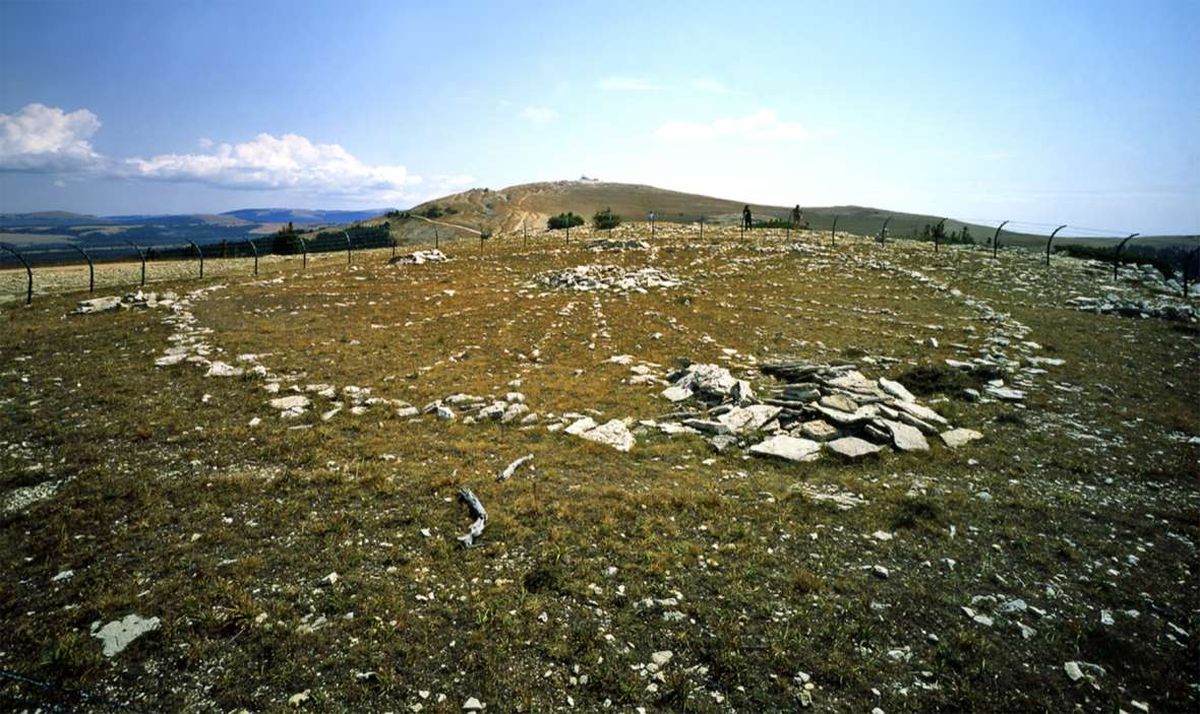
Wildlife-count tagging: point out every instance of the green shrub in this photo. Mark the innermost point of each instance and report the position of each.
(606, 220)
(564, 220)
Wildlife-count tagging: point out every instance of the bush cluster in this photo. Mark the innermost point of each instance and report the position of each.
(564, 220)
(606, 220)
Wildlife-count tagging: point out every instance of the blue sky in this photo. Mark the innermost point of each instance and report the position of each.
(1044, 112)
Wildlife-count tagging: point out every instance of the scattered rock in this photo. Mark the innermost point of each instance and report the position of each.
(419, 257)
(117, 634)
(290, 407)
(955, 438)
(613, 433)
(607, 277)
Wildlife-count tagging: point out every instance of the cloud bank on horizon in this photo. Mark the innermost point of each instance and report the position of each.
(49, 140)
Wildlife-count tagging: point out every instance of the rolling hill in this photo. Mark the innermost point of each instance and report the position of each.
(465, 214)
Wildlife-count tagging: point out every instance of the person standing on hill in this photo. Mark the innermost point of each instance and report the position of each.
(746, 218)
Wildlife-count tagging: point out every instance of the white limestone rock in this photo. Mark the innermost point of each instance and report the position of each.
(117, 634)
(853, 448)
(788, 448)
(955, 438)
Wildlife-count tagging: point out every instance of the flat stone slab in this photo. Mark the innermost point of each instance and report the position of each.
(922, 412)
(854, 381)
(1006, 394)
(837, 416)
(292, 406)
(788, 448)
(958, 437)
(117, 634)
(100, 304)
(839, 402)
(584, 424)
(896, 390)
(611, 433)
(852, 447)
(676, 394)
(818, 430)
(707, 426)
(906, 437)
(751, 418)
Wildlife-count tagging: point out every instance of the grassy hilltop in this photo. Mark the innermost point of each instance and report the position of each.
(465, 214)
(303, 555)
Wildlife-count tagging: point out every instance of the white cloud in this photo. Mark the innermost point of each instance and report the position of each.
(626, 84)
(269, 162)
(710, 85)
(762, 125)
(539, 115)
(47, 139)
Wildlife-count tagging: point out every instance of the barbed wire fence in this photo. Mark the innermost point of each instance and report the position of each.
(1006, 233)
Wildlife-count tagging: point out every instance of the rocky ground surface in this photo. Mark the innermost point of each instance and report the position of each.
(750, 474)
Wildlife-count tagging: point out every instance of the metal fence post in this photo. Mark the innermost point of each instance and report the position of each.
(1117, 254)
(348, 246)
(197, 249)
(28, 272)
(833, 232)
(254, 249)
(91, 268)
(141, 255)
(883, 231)
(996, 238)
(1193, 257)
(303, 251)
(1051, 241)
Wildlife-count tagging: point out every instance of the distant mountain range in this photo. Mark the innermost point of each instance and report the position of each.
(244, 216)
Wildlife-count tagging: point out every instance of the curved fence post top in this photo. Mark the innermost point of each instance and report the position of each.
(1117, 252)
(199, 254)
(996, 237)
(28, 272)
(91, 267)
(1051, 240)
(254, 249)
(142, 255)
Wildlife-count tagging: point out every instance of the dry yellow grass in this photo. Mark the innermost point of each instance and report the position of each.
(170, 504)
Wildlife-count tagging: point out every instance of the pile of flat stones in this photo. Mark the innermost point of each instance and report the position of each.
(1114, 305)
(1145, 275)
(817, 408)
(611, 244)
(471, 408)
(419, 257)
(585, 278)
(113, 303)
